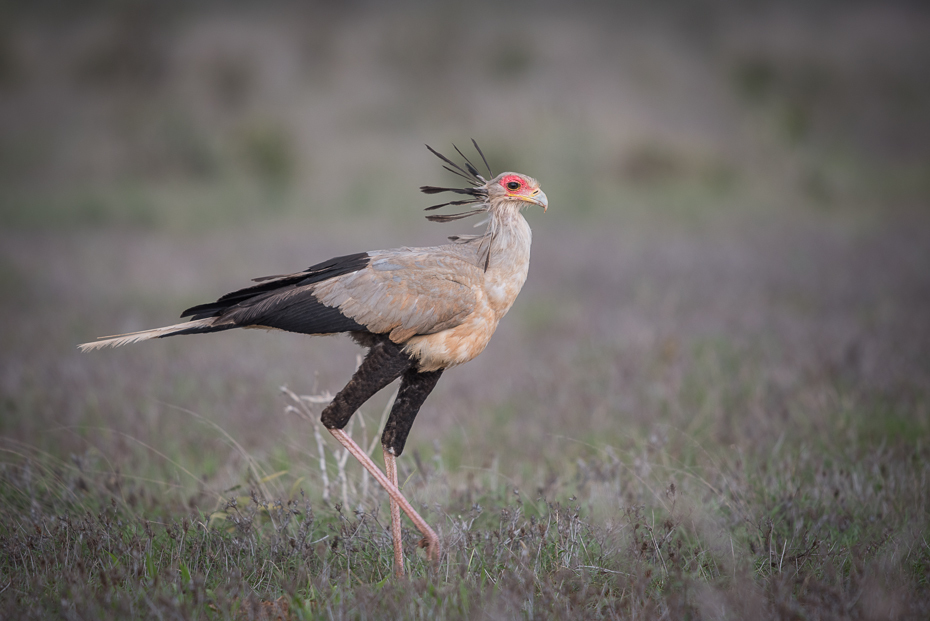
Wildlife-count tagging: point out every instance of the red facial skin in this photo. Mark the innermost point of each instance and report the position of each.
(522, 190)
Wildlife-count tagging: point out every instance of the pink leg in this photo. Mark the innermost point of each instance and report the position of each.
(432, 541)
(390, 465)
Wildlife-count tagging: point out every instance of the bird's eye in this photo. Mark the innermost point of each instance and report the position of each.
(513, 185)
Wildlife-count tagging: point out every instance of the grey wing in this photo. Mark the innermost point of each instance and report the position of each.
(405, 292)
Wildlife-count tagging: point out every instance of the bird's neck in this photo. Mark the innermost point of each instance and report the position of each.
(509, 260)
(511, 239)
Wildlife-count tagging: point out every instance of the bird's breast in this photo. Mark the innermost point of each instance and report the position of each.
(454, 346)
(501, 288)
(459, 344)
(495, 292)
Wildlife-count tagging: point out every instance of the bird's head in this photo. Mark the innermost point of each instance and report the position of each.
(516, 190)
(506, 191)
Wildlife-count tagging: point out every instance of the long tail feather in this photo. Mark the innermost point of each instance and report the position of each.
(188, 327)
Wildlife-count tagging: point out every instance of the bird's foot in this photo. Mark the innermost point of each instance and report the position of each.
(432, 549)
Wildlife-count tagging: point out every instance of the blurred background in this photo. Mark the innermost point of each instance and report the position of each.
(737, 246)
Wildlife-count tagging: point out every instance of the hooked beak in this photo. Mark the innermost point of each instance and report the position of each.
(538, 198)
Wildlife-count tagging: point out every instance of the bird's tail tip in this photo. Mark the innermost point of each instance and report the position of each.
(104, 342)
(118, 340)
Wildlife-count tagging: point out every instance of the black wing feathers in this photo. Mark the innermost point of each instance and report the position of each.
(279, 302)
(295, 311)
(316, 273)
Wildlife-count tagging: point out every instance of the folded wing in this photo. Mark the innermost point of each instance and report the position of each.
(400, 292)
(405, 292)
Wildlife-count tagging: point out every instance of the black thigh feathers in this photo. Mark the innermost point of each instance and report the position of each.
(385, 362)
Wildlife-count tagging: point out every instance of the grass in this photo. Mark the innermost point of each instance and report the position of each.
(669, 523)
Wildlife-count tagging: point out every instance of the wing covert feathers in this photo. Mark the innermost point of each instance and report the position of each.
(406, 292)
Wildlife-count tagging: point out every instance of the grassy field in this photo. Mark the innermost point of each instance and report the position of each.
(711, 400)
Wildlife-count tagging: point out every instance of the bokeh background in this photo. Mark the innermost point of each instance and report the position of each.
(737, 249)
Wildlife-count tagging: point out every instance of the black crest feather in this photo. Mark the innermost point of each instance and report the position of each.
(483, 158)
(479, 192)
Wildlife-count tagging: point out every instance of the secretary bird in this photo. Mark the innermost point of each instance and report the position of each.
(419, 311)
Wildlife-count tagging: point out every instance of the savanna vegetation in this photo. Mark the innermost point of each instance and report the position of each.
(711, 400)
